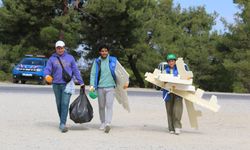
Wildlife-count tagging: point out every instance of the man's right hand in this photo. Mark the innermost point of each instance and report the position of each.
(48, 79)
(125, 86)
(91, 89)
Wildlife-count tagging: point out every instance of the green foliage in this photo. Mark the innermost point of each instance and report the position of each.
(123, 26)
(3, 76)
(49, 34)
(236, 49)
(34, 26)
(5, 66)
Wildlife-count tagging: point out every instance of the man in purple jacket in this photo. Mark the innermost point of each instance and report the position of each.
(54, 69)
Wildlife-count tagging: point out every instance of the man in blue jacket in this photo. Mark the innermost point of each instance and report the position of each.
(173, 103)
(103, 79)
(53, 70)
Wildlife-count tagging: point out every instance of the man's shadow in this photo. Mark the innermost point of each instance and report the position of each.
(156, 128)
(71, 126)
(84, 126)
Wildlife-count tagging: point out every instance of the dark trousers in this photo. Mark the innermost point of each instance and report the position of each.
(174, 108)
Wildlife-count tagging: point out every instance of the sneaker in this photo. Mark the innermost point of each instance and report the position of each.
(171, 132)
(107, 128)
(102, 127)
(177, 131)
(63, 128)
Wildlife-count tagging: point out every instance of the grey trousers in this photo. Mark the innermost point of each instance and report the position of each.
(174, 108)
(105, 102)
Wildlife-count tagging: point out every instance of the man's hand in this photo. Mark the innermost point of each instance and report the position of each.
(125, 86)
(48, 79)
(83, 87)
(91, 89)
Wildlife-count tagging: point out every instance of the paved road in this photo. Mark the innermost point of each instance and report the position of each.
(29, 121)
(38, 89)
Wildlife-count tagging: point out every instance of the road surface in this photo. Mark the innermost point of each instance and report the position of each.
(29, 121)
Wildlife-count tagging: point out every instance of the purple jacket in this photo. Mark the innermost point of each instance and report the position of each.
(54, 68)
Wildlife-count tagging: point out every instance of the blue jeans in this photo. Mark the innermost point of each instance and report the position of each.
(62, 102)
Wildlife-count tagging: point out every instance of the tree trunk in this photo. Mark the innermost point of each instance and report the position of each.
(136, 72)
(65, 7)
(65, 11)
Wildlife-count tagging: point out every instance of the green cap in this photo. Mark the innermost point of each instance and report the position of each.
(171, 57)
(93, 94)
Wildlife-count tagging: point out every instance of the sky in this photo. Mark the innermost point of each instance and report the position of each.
(225, 9)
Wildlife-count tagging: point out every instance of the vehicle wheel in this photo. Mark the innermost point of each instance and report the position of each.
(23, 82)
(42, 82)
(15, 81)
(157, 88)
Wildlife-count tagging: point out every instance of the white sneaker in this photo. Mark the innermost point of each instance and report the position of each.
(171, 132)
(177, 131)
(107, 128)
(102, 127)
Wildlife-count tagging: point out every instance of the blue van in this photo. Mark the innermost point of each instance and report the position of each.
(30, 68)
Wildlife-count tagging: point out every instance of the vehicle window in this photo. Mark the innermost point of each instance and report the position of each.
(32, 62)
(160, 67)
(165, 66)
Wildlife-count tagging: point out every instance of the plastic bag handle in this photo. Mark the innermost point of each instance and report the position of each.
(82, 92)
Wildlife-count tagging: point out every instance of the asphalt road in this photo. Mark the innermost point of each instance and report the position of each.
(39, 89)
(29, 121)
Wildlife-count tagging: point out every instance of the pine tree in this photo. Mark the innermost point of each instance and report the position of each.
(236, 48)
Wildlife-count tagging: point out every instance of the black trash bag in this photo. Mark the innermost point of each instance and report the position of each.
(81, 110)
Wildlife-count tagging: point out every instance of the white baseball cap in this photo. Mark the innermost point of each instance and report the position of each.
(59, 44)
